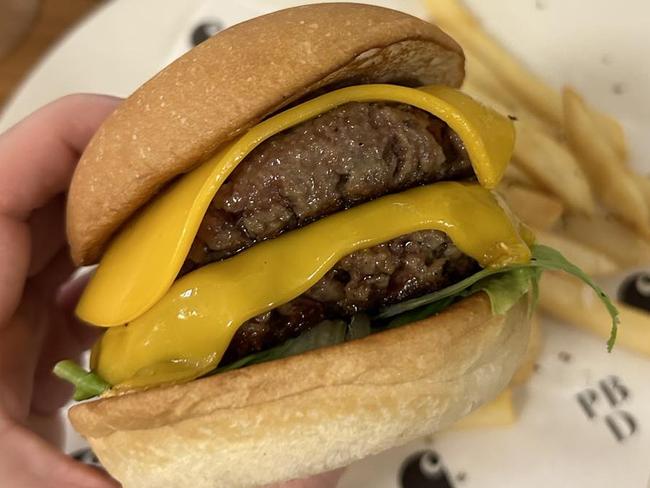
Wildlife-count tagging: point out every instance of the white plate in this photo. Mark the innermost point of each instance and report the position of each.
(600, 47)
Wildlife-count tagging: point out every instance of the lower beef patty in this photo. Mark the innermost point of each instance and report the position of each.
(349, 155)
(406, 267)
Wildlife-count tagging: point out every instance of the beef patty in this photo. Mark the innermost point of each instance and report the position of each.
(402, 268)
(347, 156)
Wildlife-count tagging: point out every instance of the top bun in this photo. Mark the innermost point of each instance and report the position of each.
(229, 83)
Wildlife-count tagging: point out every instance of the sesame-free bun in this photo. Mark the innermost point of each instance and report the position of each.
(309, 413)
(227, 84)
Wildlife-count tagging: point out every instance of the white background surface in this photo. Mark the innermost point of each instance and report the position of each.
(602, 48)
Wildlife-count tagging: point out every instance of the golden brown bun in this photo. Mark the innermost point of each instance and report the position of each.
(309, 413)
(229, 83)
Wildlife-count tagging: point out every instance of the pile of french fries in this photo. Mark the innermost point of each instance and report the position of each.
(569, 180)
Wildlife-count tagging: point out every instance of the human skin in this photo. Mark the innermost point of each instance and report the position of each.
(37, 326)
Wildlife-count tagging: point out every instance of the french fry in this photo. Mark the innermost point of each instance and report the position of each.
(499, 412)
(510, 76)
(515, 175)
(613, 131)
(550, 163)
(610, 236)
(479, 78)
(572, 301)
(615, 186)
(643, 183)
(484, 94)
(591, 261)
(527, 365)
(484, 97)
(484, 86)
(533, 207)
(519, 113)
(451, 15)
(451, 12)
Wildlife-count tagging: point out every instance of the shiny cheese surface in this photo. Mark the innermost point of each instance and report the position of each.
(185, 334)
(143, 260)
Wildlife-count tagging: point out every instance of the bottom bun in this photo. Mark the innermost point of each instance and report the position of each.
(309, 413)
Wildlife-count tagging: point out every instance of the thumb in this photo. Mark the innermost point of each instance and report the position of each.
(29, 462)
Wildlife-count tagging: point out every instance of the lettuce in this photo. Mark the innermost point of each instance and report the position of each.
(324, 334)
(87, 384)
(543, 259)
(327, 333)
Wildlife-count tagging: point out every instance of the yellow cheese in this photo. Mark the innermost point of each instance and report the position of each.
(143, 260)
(185, 334)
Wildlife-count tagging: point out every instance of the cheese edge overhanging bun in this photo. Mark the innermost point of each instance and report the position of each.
(183, 114)
(312, 412)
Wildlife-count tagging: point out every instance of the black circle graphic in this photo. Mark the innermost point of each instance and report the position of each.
(424, 470)
(205, 30)
(635, 290)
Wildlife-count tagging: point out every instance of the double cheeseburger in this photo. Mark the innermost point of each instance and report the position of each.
(301, 261)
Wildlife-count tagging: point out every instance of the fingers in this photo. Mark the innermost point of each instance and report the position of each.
(50, 428)
(37, 158)
(14, 263)
(38, 155)
(67, 297)
(47, 234)
(20, 344)
(29, 462)
(61, 340)
(70, 292)
(22, 339)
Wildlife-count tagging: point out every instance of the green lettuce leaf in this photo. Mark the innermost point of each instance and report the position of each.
(327, 333)
(87, 384)
(503, 289)
(359, 327)
(417, 314)
(547, 258)
(543, 258)
(455, 290)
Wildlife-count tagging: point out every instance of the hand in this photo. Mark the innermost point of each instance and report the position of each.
(37, 327)
(37, 158)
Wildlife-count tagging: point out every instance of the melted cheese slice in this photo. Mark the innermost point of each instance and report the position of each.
(184, 335)
(143, 260)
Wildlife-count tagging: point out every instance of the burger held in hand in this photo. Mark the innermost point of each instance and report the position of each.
(301, 261)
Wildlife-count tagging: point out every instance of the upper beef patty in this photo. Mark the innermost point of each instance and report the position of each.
(349, 155)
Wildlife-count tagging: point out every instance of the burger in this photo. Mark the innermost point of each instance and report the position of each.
(301, 258)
